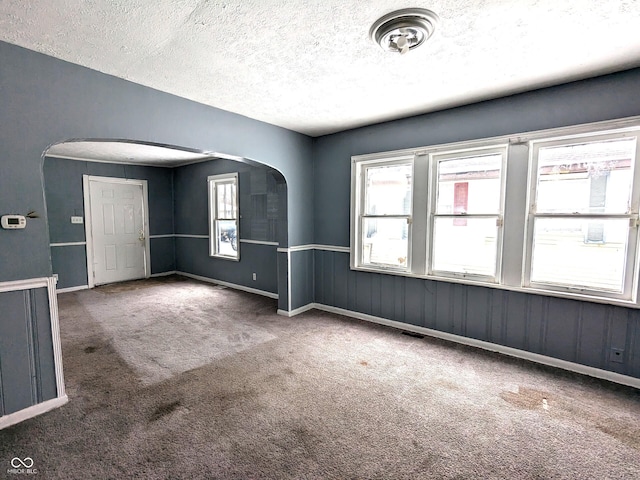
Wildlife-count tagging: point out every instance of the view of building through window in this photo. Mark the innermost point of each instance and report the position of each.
(577, 238)
(557, 213)
(466, 218)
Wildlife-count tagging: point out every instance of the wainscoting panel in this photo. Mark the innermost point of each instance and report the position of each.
(27, 369)
(301, 270)
(596, 335)
(192, 256)
(283, 280)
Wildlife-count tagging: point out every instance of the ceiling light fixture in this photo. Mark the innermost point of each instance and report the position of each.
(404, 30)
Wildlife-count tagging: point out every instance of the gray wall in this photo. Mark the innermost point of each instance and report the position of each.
(580, 332)
(27, 373)
(263, 210)
(64, 198)
(263, 217)
(302, 273)
(44, 101)
(597, 99)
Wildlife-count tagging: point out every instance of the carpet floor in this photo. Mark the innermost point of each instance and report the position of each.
(171, 378)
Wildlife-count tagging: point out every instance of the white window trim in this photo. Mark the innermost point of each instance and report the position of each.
(212, 182)
(630, 288)
(358, 201)
(516, 232)
(434, 160)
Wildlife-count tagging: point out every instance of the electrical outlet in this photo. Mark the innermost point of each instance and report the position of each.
(76, 219)
(254, 277)
(616, 355)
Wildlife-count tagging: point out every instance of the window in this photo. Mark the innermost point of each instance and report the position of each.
(466, 214)
(223, 216)
(385, 215)
(582, 221)
(552, 212)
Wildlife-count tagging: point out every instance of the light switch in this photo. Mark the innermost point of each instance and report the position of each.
(77, 219)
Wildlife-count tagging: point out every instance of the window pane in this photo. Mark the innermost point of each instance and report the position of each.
(226, 238)
(470, 247)
(565, 253)
(226, 203)
(388, 190)
(591, 177)
(385, 242)
(469, 185)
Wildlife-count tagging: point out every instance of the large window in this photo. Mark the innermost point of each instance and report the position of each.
(223, 216)
(466, 213)
(552, 212)
(384, 223)
(582, 232)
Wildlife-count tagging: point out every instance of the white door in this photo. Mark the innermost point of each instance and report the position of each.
(118, 230)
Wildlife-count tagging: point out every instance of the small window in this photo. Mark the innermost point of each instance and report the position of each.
(223, 216)
(467, 209)
(384, 210)
(582, 230)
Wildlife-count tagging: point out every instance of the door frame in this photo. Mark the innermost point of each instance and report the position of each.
(86, 186)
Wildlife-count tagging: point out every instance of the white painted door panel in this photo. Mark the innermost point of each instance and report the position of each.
(118, 231)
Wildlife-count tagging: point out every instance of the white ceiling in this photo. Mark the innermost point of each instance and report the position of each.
(127, 152)
(309, 65)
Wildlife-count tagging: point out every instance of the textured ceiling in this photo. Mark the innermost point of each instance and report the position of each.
(309, 65)
(127, 152)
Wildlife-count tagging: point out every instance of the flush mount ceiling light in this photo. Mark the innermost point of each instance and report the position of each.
(404, 30)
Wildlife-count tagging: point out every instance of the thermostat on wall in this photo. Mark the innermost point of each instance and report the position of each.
(13, 221)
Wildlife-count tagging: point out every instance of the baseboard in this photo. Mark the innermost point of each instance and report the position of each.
(72, 289)
(228, 284)
(492, 347)
(297, 311)
(33, 411)
(162, 274)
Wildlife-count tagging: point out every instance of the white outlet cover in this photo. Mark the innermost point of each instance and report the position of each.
(77, 220)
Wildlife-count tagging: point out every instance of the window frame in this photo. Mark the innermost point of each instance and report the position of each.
(359, 192)
(213, 181)
(630, 281)
(434, 169)
(516, 225)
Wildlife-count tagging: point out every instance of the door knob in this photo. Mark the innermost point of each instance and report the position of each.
(141, 236)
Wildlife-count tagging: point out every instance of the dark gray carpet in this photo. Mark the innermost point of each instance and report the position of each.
(171, 378)
(165, 335)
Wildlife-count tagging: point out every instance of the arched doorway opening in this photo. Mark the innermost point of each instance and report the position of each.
(177, 229)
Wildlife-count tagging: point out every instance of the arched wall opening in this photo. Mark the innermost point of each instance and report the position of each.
(178, 213)
(52, 100)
